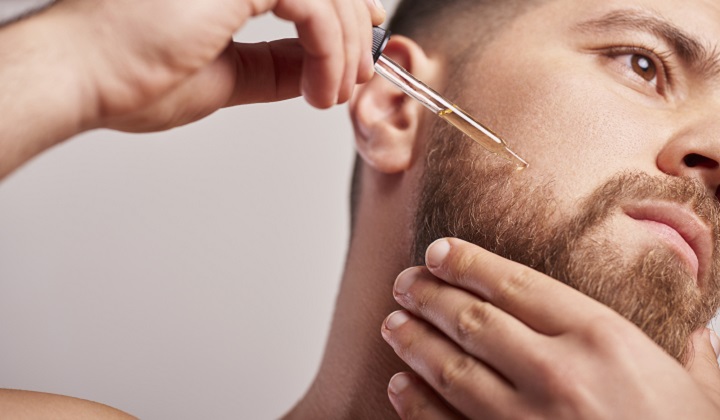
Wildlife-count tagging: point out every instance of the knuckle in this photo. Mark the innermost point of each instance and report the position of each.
(550, 372)
(472, 319)
(562, 383)
(452, 372)
(565, 388)
(561, 388)
(597, 334)
(544, 367)
(604, 333)
(405, 345)
(513, 286)
(423, 303)
(426, 298)
(464, 264)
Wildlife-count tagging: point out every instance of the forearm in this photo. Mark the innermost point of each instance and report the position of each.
(41, 89)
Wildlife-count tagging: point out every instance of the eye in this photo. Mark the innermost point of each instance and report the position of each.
(648, 70)
(643, 66)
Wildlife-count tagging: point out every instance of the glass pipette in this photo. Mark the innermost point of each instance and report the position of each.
(438, 104)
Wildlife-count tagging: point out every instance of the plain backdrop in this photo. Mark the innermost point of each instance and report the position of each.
(189, 274)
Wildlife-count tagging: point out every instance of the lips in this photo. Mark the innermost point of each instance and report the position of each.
(681, 229)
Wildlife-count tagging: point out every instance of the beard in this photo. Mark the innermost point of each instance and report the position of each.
(480, 200)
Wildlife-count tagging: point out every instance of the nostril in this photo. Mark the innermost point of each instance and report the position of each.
(694, 160)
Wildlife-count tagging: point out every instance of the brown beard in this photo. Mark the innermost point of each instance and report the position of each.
(485, 202)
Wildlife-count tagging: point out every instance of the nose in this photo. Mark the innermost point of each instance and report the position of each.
(696, 154)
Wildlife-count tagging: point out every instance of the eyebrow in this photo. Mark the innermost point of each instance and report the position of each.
(699, 57)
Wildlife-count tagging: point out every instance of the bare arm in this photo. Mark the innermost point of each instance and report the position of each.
(25, 405)
(41, 93)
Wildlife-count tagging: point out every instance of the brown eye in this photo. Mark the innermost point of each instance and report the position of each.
(644, 67)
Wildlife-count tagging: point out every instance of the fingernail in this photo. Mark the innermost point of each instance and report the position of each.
(396, 319)
(379, 5)
(405, 280)
(715, 342)
(399, 383)
(436, 253)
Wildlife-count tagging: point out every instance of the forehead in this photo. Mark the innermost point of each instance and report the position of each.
(700, 18)
(690, 29)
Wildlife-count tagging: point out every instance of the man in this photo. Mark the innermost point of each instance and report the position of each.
(614, 105)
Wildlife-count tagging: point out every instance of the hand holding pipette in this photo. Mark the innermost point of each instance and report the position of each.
(141, 66)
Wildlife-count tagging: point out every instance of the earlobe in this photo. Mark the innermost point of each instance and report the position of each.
(385, 120)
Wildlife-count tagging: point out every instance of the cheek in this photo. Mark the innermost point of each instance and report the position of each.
(570, 127)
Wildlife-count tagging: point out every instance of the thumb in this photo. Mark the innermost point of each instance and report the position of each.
(703, 362)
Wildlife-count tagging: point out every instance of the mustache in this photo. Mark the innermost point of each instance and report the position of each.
(636, 186)
(659, 298)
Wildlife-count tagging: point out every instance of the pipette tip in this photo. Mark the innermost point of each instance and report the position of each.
(514, 158)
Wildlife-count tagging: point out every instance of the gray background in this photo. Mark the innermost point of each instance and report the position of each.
(188, 274)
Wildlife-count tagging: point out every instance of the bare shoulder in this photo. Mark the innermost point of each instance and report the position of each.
(23, 405)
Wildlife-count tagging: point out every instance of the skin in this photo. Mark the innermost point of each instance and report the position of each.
(141, 66)
(499, 349)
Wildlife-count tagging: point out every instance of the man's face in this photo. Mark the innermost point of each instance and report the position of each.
(615, 106)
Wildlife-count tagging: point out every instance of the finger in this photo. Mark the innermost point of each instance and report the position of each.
(365, 70)
(478, 327)
(463, 381)
(703, 362)
(516, 289)
(321, 36)
(377, 11)
(364, 63)
(267, 72)
(414, 399)
(347, 10)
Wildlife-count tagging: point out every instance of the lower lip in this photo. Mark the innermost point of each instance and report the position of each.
(676, 241)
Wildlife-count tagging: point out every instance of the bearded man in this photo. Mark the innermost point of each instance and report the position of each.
(614, 104)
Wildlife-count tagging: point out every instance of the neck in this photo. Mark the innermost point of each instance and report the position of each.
(358, 364)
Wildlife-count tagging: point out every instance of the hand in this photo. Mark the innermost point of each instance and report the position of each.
(490, 338)
(148, 65)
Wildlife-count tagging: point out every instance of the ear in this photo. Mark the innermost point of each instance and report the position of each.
(386, 121)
